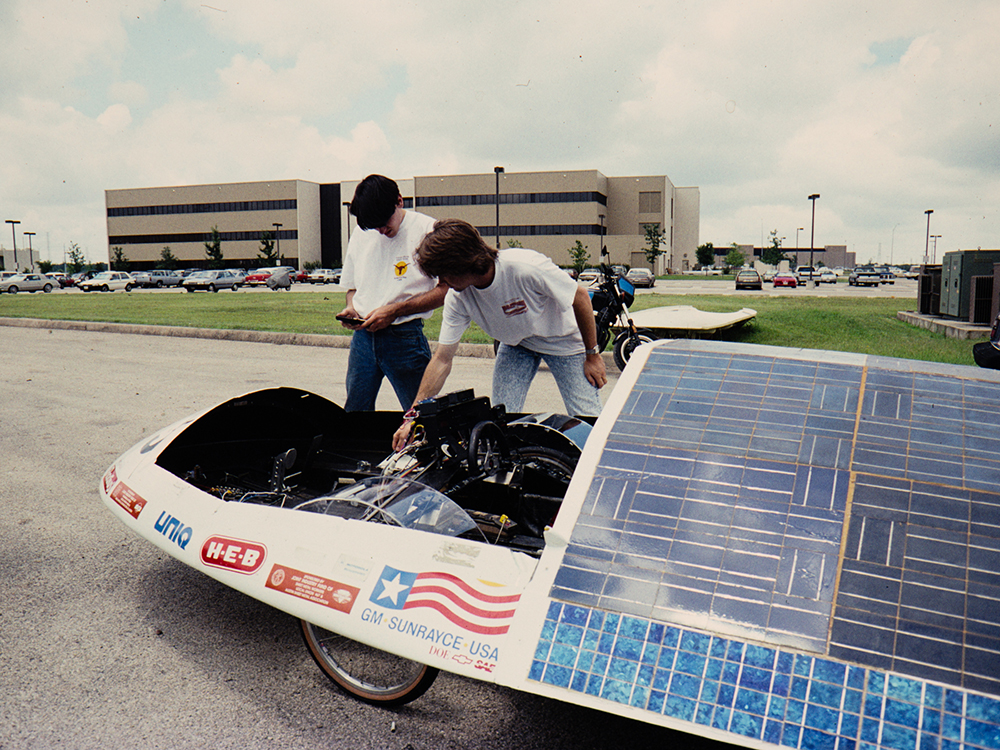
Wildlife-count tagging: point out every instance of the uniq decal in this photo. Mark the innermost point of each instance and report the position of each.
(173, 529)
(233, 554)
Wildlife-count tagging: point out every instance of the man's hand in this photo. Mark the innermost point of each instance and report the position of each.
(595, 371)
(401, 437)
(349, 312)
(381, 317)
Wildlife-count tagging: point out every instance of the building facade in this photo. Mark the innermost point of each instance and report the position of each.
(546, 211)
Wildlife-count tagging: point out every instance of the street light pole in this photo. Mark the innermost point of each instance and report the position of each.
(31, 255)
(892, 242)
(927, 242)
(797, 230)
(277, 240)
(498, 171)
(13, 236)
(812, 236)
(934, 249)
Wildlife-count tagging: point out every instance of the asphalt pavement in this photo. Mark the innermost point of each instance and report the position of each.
(108, 643)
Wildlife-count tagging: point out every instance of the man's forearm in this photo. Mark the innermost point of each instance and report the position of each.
(430, 300)
(436, 372)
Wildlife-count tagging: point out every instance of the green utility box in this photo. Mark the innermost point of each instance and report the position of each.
(957, 269)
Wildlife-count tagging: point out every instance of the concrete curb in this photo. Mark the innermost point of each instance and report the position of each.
(484, 351)
(954, 329)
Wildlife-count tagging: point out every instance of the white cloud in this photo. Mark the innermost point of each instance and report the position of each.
(884, 110)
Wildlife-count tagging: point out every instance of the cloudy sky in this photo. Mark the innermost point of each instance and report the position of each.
(885, 109)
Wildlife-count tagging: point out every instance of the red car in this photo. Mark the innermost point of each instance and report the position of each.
(785, 279)
(259, 276)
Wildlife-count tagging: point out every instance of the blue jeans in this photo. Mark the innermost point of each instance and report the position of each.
(399, 353)
(516, 366)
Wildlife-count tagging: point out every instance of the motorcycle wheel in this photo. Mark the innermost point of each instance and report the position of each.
(366, 673)
(626, 343)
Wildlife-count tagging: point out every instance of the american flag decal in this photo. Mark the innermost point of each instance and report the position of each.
(468, 606)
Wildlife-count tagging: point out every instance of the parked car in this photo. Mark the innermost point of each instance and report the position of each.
(259, 276)
(299, 277)
(864, 277)
(158, 277)
(589, 276)
(748, 278)
(212, 281)
(108, 281)
(324, 276)
(888, 277)
(80, 276)
(784, 278)
(27, 282)
(641, 277)
(826, 276)
(768, 275)
(806, 274)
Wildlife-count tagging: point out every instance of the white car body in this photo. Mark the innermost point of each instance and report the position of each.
(108, 281)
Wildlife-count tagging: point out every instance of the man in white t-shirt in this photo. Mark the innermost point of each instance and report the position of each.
(388, 296)
(521, 298)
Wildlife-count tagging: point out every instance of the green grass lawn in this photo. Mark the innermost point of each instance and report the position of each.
(850, 324)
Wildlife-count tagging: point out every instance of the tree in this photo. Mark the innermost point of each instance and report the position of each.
(267, 252)
(706, 254)
(773, 254)
(119, 261)
(45, 266)
(579, 255)
(511, 242)
(654, 238)
(77, 260)
(735, 257)
(213, 249)
(167, 258)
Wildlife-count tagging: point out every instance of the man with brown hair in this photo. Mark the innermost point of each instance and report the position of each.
(521, 298)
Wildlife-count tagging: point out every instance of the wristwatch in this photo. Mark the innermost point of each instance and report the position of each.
(593, 350)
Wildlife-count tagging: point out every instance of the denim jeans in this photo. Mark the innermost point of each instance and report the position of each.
(516, 366)
(399, 353)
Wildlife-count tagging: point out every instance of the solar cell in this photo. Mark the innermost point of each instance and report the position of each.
(794, 547)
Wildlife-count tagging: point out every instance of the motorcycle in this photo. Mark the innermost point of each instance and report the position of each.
(987, 353)
(611, 300)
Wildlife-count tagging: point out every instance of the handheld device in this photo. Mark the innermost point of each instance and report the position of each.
(351, 320)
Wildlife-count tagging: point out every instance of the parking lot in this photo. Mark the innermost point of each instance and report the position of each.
(694, 285)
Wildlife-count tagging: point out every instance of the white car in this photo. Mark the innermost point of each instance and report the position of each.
(27, 282)
(324, 276)
(108, 281)
(826, 276)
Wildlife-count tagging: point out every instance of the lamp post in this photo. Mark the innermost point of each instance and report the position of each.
(797, 230)
(934, 248)
(31, 255)
(927, 242)
(812, 237)
(498, 171)
(13, 236)
(892, 242)
(277, 240)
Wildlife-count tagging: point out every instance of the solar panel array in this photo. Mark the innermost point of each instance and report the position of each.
(823, 533)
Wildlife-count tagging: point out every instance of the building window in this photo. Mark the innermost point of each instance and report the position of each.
(287, 204)
(650, 203)
(431, 201)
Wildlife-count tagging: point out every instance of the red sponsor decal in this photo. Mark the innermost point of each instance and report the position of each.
(233, 554)
(110, 478)
(313, 588)
(517, 307)
(128, 499)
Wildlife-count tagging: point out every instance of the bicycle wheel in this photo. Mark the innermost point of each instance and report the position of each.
(366, 673)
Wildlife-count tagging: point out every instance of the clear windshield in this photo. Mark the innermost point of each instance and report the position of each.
(396, 500)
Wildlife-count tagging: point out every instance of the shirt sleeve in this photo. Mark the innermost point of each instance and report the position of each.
(455, 319)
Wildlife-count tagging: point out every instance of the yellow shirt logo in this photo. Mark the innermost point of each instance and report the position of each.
(400, 268)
